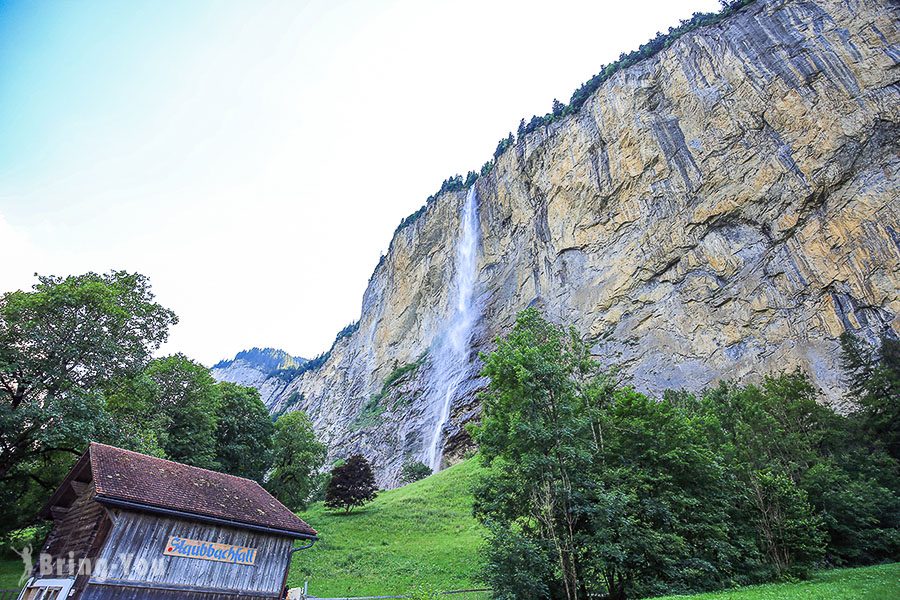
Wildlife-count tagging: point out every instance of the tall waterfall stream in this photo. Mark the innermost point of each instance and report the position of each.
(451, 357)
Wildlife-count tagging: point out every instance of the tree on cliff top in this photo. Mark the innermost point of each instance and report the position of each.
(352, 484)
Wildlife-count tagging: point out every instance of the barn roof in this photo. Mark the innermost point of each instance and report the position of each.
(129, 478)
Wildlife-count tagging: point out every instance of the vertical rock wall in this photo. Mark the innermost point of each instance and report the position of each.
(723, 209)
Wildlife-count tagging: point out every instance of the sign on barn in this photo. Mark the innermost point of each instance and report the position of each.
(179, 546)
(127, 526)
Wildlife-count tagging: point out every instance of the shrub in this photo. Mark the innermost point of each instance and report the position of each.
(414, 471)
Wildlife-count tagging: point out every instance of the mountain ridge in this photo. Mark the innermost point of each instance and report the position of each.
(266, 369)
(271, 359)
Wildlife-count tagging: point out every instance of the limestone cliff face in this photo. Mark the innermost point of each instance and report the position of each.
(724, 209)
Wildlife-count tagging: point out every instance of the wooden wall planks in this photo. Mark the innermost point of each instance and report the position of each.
(136, 540)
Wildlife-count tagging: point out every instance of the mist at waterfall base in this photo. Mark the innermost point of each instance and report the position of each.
(452, 350)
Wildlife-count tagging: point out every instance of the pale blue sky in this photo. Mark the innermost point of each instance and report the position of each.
(254, 158)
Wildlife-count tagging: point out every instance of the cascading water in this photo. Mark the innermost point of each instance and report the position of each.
(451, 357)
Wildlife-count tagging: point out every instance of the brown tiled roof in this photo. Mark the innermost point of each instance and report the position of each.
(157, 483)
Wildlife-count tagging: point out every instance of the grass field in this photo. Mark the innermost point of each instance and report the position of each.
(867, 583)
(422, 532)
(10, 571)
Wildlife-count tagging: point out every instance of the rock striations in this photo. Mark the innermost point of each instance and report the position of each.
(723, 209)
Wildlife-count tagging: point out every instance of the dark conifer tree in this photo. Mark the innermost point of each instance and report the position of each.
(558, 108)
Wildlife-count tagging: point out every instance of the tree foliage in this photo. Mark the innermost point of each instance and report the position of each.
(352, 484)
(873, 376)
(244, 432)
(599, 483)
(298, 456)
(188, 402)
(414, 470)
(75, 366)
(503, 145)
(59, 344)
(593, 487)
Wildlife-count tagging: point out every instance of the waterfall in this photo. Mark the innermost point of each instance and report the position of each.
(451, 357)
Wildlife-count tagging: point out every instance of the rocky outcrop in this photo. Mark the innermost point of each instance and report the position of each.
(723, 209)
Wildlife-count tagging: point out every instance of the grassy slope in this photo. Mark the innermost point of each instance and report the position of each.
(868, 583)
(10, 571)
(422, 532)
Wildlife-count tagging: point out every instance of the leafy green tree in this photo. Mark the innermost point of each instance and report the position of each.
(297, 457)
(244, 432)
(132, 402)
(187, 400)
(793, 455)
(352, 484)
(858, 505)
(769, 436)
(59, 343)
(414, 470)
(661, 506)
(874, 381)
(790, 533)
(535, 440)
(594, 487)
(517, 565)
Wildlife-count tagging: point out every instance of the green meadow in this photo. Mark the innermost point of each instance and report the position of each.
(422, 532)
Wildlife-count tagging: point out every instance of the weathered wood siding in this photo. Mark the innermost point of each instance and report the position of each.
(96, 592)
(76, 528)
(136, 540)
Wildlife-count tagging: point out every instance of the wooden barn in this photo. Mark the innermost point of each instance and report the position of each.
(131, 526)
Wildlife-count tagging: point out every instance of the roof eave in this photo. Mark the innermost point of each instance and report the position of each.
(77, 469)
(140, 506)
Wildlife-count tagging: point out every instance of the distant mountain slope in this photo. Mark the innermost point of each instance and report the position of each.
(267, 359)
(267, 369)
